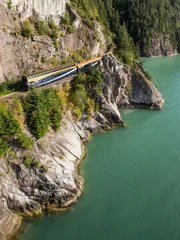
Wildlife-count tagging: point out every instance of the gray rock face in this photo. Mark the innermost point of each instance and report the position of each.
(127, 87)
(9, 221)
(26, 190)
(44, 8)
(144, 93)
(161, 46)
(19, 56)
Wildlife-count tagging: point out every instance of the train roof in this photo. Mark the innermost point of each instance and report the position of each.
(50, 70)
(88, 61)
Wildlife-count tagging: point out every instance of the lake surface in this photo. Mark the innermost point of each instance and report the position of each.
(132, 187)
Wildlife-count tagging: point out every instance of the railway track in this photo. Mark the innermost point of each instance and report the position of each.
(61, 81)
(10, 96)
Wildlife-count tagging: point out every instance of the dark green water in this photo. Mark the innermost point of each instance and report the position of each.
(132, 188)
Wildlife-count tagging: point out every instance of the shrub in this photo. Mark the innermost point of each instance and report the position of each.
(66, 20)
(71, 29)
(43, 168)
(35, 164)
(42, 28)
(3, 147)
(56, 44)
(25, 142)
(129, 89)
(61, 157)
(26, 29)
(54, 34)
(9, 4)
(52, 25)
(78, 97)
(43, 59)
(27, 161)
(8, 125)
(43, 109)
(10, 86)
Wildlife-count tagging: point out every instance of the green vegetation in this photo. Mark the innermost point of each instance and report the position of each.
(9, 4)
(129, 89)
(66, 20)
(146, 18)
(43, 109)
(26, 29)
(3, 147)
(10, 86)
(43, 168)
(106, 13)
(9, 128)
(85, 91)
(27, 161)
(31, 163)
(25, 142)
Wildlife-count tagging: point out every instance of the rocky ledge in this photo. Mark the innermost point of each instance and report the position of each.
(28, 191)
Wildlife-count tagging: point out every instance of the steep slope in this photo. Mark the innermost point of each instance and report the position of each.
(153, 24)
(72, 41)
(44, 8)
(28, 190)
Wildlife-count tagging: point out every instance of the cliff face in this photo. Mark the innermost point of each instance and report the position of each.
(44, 8)
(19, 55)
(161, 46)
(128, 87)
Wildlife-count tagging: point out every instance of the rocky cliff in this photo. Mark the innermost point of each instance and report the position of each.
(161, 46)
(127, 87)
(44, 8)
(28, 191)
(20, 55)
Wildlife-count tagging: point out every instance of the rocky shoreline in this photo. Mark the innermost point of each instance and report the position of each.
(28, 191)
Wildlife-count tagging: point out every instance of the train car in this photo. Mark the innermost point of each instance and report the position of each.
(52, 75)
(39, 79)
(88, 64)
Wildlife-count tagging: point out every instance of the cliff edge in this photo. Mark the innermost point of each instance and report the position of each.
(28, 190)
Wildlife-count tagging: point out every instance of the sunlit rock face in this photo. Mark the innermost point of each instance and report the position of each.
(44, 8)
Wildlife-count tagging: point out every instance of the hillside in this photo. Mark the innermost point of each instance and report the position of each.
(42, 133)
(154, 25)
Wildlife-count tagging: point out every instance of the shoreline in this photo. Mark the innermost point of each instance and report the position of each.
(64, 207)
(80, 184)
(171, 55)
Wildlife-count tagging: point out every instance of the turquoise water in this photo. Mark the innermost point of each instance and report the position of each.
(132, 187)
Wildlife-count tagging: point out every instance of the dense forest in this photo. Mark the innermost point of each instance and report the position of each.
(145, 18)
(132, 24)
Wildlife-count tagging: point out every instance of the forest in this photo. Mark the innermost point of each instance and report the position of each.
(131, 24)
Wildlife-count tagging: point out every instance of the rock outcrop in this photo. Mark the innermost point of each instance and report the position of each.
(161, 46)
(44, 8)
(9, 222)
(128, 87)
(19, 55)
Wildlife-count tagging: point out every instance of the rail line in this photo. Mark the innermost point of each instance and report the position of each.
(48, 78)
(10, 96)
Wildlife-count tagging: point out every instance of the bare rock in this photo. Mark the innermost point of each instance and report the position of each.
(161, 46)
(9, 222)
(127, 87)
(44, 8)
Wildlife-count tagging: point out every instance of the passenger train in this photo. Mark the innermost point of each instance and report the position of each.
(54, 74)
